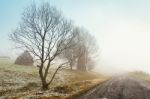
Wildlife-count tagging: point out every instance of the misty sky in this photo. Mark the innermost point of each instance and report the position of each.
(121, 27)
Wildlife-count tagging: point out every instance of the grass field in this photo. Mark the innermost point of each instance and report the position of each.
(23, 82)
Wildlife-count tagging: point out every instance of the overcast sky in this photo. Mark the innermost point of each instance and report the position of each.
(121, 27)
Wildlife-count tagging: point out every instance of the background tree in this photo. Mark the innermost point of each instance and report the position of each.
(87, 49)
(90, 64)
(71, 53)
(43, 31)
(84, 50)
(70, 56)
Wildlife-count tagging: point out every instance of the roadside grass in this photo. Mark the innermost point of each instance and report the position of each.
(141, 75)
(84, 87)
(20, 81)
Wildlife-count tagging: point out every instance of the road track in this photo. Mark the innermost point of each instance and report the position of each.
(120, 87)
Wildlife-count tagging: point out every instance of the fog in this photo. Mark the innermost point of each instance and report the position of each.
(125, 46)
(122, 30)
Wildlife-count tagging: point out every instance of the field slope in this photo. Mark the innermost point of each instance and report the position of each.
(23, 82)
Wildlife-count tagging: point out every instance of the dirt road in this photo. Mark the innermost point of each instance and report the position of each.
(120, 87)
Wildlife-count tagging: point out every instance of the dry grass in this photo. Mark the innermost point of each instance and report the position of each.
(23, 81)
(141, 75)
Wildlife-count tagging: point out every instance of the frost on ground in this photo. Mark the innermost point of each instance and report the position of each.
(21, 81)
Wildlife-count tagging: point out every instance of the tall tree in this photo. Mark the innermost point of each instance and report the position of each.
(85, 48)
(43, 31)
(91, 63)
(71, 53)
(91, 49)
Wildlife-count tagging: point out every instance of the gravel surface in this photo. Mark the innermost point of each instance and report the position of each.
(120, 87)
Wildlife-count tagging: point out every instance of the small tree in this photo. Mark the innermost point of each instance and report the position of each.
(43, 31)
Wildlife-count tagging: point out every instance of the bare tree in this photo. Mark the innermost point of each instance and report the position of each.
(90, 63)
(70, 56)
(84, 49)
(87, 49)
(71, 53)
(43, 31)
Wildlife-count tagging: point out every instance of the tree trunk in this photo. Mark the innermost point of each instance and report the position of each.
(81, 65)
(71, 65)
(45, 85)
(43, 79)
